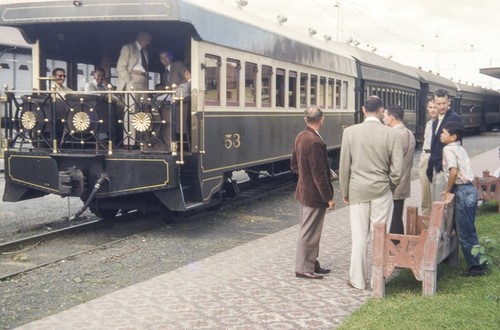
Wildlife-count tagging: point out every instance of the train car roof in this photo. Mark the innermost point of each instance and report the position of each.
(223, 25)
(381, 69)
(12, 38)
(469, 88)
(436, 81)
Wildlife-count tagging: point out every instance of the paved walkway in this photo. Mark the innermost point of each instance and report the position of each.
(248, 287)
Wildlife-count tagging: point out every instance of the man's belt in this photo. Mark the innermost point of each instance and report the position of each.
(426, 150)
(140, 73)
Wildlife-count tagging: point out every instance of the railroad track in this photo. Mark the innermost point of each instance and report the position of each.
(26, 254)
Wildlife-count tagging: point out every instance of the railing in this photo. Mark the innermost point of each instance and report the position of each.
(93, 122)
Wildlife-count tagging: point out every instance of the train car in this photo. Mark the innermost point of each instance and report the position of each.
(250, 85)
(468, 103)
(15, 59)
(393, 82)
(491, 110)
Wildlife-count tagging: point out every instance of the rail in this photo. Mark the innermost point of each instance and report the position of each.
(101, 122)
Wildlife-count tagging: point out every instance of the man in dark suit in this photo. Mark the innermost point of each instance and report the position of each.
(314, 193)
(435, 167)
(174, 71)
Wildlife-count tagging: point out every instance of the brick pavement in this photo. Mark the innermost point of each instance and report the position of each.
(248, 287)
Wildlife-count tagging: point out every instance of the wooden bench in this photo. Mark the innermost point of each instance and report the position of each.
(428, 241)
(488, 188)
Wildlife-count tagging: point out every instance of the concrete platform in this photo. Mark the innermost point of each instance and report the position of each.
(249, 287)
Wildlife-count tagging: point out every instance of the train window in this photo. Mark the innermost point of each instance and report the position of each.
(292, 89)
(267, 75)
(212, 79)
(303, 89)
(338, 86)
(322, 92)
(331, 93)
(84, 74)
(345, 89)
(250, 82)
(280, 87)
(233, 68)
(314, 90)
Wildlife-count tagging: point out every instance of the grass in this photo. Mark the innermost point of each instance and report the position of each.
(459, 303)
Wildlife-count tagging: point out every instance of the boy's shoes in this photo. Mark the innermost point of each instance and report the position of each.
(477, 270)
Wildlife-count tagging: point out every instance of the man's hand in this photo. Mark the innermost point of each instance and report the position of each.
(346, 200)
(331, 204)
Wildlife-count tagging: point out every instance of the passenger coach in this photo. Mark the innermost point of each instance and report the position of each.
(251, 83)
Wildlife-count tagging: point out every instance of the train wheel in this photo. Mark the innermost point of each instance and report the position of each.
(170, 216)
(215, 202)
(104, 214)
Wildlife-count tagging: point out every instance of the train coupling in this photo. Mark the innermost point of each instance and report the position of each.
(71, 182)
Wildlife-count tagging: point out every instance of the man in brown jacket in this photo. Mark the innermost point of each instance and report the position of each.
(314, 193)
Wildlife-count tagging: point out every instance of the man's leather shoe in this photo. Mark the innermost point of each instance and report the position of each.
(319, 270)
(312, 276)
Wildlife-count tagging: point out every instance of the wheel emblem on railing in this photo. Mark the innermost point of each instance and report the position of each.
(28, 120)
(81, 121)
(141, 121)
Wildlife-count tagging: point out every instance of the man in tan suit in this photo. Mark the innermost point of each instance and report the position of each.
(371, 160)
(314, 193)
(393, 117)
(133, 73)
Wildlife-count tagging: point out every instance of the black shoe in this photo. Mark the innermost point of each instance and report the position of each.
(319, 270)
(477, 270)
(312, 276)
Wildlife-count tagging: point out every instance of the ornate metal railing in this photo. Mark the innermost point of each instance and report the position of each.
(99, 122)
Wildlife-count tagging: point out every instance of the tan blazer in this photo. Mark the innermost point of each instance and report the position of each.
(310, 162)
(402, 190)
(130, 55)
(371, 160)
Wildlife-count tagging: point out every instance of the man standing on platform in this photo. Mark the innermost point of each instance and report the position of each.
(314, 193)
(371, 160)
(133, 74)
(435, 167)
(393, 117)
(424, 159)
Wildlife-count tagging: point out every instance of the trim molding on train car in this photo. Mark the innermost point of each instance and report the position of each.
(55, 191)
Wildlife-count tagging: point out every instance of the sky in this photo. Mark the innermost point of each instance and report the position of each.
(452, 37)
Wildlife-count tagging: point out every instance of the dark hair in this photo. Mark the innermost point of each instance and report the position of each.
(430, 98)
(58, 69)
(101, 70)
(188, 67)
(373, 104)
(455, 128)
(313, 114)
(396, 111)
(441, 93)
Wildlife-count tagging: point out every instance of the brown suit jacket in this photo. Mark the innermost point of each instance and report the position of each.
(310, 162)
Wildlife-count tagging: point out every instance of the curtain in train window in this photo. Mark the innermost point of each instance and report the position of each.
(331, 94)
(322, 92)
(233, 68)
(292, 89)
(303, 89)
(314, 90)
(345, 92)
(267, 75)
(250, 83)
(212, 80)
(338, 86)
(280, 87)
